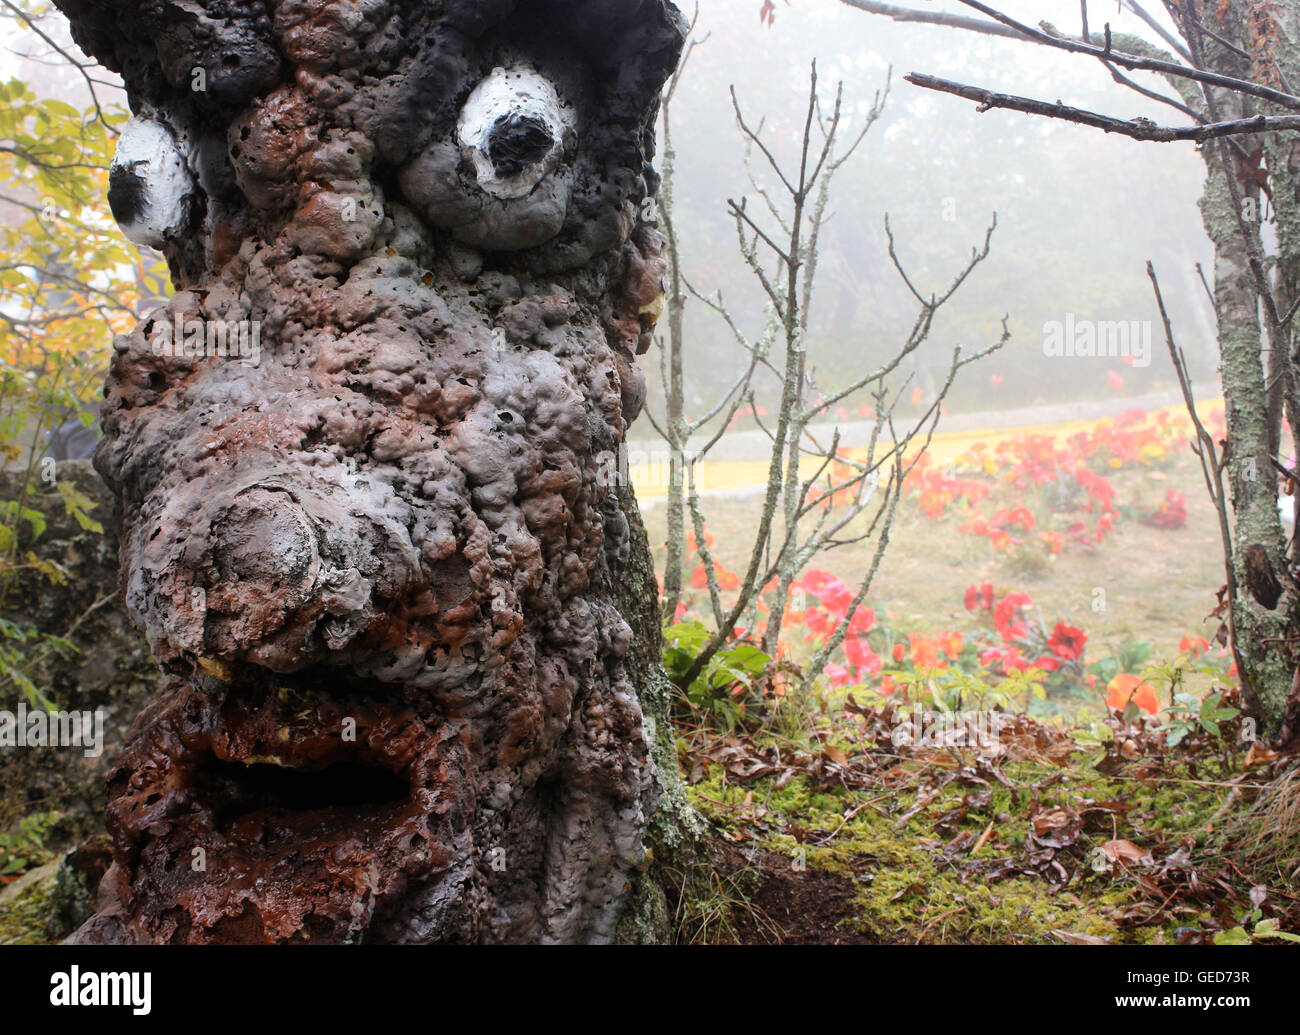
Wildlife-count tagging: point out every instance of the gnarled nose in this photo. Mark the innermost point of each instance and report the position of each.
(266, 543)
(517, 141)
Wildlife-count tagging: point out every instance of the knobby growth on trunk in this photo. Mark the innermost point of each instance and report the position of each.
(367, 466)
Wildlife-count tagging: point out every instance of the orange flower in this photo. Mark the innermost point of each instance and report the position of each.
(1194, 644)
(1126, 687)
(925, 652)
(726, 579)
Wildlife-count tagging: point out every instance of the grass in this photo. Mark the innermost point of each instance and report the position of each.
(906, 856)
(1143, 583)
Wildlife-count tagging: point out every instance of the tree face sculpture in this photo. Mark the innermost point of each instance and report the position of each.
(366, 460)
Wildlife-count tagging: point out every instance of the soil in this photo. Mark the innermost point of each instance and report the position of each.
(791, 907)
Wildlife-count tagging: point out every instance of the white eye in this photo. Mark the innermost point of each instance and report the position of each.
(514, 125)
(150, 189)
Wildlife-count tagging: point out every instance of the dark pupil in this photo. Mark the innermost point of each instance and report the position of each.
(126, 195)
(517, 141)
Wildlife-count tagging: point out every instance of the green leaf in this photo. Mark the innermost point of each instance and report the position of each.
(1269, 929)
(36, 519)
(79, 505)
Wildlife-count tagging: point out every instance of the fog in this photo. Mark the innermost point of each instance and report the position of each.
(1079, 212)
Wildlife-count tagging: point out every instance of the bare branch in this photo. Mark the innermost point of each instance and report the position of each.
(1134, 62)
(1138, 129)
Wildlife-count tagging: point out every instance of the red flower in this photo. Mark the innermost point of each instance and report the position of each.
(819, 622)
(1003, 660)
(1005, 616)
(839, 675)
(1067, 642)
(815, 581)
(863, 619)
(1172, 513)
(861, 656)
(836, 596)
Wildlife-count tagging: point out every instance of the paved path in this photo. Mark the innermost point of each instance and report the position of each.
(754, 445)
(738, 464)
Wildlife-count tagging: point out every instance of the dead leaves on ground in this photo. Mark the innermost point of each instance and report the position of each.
(1055, 831)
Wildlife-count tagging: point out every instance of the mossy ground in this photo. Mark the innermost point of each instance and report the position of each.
(912, 875)
(27, 912)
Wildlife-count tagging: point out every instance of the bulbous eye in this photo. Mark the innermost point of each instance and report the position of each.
(150, 189)
(514, 127)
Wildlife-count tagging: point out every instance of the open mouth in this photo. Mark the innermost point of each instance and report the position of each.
(283, 812)
(273, 800)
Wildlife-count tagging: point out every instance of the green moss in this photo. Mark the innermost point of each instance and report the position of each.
(905, 889)
(27, 908)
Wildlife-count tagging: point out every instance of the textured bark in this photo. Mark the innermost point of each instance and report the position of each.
(1273, 28)
(1260, 633)
(383, 568)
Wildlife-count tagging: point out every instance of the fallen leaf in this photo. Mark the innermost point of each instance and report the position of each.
(1077, 938)
(1125, 853)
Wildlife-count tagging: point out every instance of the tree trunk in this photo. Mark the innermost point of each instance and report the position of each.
(1262, 625)
(367, 465)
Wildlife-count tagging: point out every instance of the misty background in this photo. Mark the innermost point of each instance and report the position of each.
(1079, 212)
